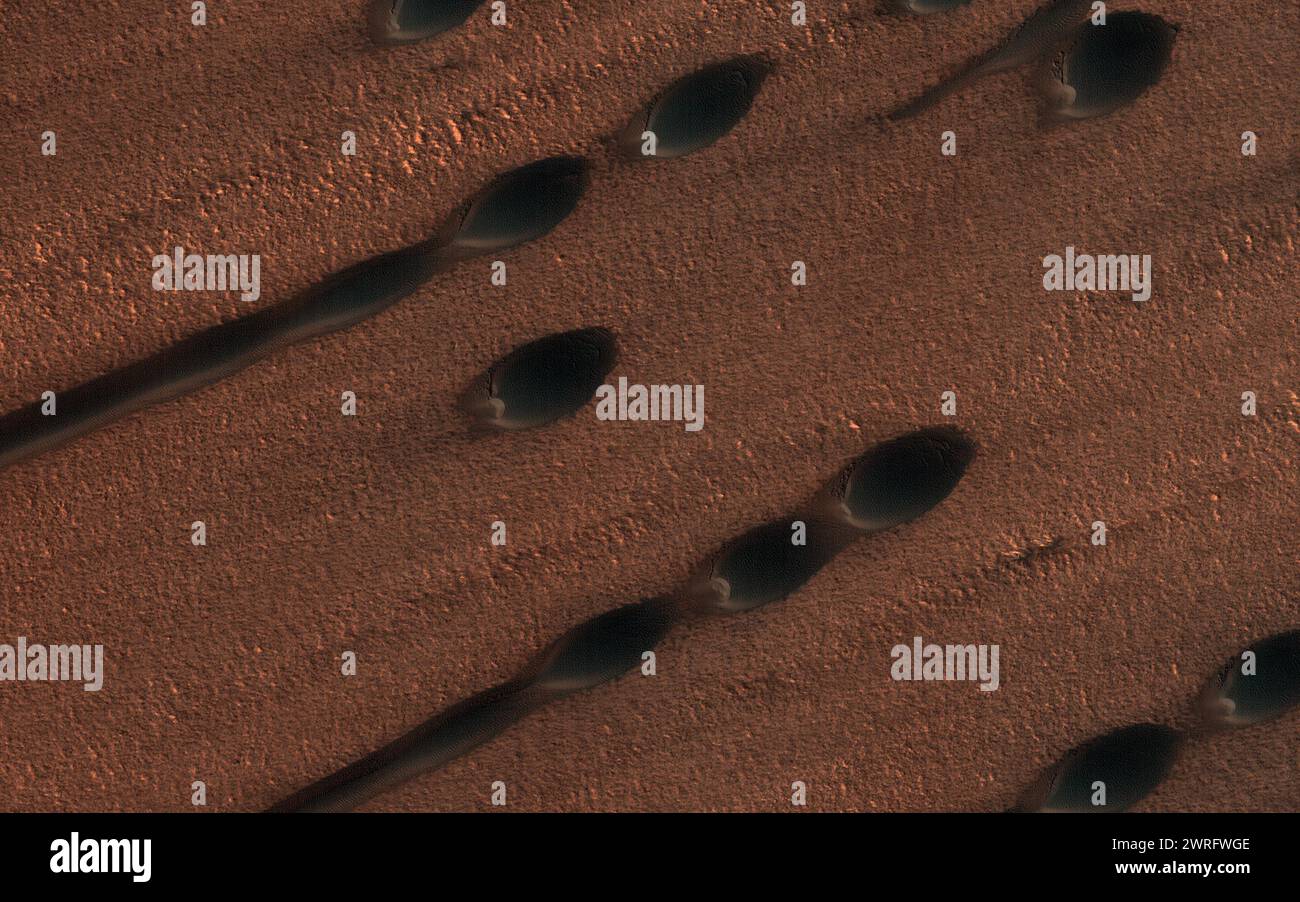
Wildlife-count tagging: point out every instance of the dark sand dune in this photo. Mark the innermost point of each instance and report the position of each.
(371, 533)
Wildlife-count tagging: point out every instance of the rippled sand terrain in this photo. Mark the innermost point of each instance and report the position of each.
(961, 518)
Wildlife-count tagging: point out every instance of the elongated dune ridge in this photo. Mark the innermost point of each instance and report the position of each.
(651, 406)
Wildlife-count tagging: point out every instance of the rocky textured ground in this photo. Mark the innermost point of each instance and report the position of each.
(371, 533)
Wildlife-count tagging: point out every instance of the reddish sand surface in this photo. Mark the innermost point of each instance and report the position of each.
(371, 533)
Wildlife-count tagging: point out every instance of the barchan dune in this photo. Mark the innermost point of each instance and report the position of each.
(405, 598)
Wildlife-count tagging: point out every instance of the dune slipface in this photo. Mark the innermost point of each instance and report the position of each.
(544, 380)
(1034, 38)
(591, 653)
(407, 21)
(1258, 689)
(1121, 767)
(697, 110)
(520, 206)
(767, 563)
(437, 741)
(604, 648)
(900, 480)
(342, 300)
(1106, 67)
(334, 528)
(896, 481)
(764, 565)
